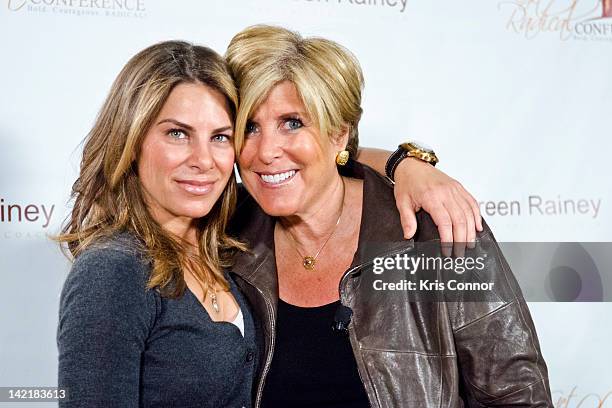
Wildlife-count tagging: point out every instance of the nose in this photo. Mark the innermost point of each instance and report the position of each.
(200, 157)
(270, 146)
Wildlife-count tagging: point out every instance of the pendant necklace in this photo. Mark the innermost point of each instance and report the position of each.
(213, 301)
(309, 262)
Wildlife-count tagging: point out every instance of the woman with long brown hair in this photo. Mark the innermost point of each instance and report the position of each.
(152, 201)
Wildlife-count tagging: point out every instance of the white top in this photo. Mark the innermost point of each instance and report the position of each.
(239, 321)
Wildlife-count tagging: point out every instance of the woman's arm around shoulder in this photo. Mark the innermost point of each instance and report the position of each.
(419, 185)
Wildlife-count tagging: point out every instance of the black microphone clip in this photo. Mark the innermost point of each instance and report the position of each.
(342, 318)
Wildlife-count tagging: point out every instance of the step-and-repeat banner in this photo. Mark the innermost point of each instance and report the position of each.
(515, 96)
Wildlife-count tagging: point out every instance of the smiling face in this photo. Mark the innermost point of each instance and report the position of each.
(286, 165)
(187, 156)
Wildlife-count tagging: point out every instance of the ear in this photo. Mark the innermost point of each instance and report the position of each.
(340, 140)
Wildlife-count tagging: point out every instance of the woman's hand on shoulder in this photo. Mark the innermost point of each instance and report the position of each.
(419, 185)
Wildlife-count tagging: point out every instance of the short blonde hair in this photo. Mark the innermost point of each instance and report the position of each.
(327, 76)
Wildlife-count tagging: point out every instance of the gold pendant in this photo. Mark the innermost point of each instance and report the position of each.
(309, 262)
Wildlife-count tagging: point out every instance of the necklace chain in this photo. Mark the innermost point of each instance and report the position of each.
(309, 262)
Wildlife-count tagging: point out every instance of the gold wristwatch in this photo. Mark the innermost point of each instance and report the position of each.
(409, 149)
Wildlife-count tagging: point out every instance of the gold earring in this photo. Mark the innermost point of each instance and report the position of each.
(342, 157)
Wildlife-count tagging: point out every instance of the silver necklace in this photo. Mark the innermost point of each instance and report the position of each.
(213, 301)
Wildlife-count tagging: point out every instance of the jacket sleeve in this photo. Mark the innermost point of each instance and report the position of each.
(104, 320)
(499, 355)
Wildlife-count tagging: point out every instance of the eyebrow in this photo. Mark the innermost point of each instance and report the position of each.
(296, 113)
(190, 128)
(303, 116)
(285, 115)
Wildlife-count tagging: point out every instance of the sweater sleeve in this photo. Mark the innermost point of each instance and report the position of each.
(104, 320)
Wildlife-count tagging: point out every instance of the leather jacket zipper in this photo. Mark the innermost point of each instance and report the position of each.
(354, 345)
(352, 336)
(270, 351)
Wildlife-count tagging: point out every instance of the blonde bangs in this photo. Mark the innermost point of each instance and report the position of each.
(327, 76)
(255, 93)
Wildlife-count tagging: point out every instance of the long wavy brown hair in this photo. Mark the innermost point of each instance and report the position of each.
(108, 198)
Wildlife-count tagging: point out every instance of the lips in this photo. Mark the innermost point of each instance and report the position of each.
(196, 187)
(277, 178)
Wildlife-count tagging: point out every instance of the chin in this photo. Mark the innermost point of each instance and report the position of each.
(194, 211)
(277, 208)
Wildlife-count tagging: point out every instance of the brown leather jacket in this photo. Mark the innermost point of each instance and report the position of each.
(410, 353)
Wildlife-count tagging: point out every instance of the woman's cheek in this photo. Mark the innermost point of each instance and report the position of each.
(226, 163)
(246, 155)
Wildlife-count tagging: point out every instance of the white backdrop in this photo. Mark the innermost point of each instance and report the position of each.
(515, 95)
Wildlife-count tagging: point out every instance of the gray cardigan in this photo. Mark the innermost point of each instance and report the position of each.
(121, 345)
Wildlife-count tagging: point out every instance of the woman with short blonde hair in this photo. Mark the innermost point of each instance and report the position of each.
(331, 339)
(327, 76)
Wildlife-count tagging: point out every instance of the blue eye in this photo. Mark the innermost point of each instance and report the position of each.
(250, 128)
(293, 124)
(177, 134)
(220, 138)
